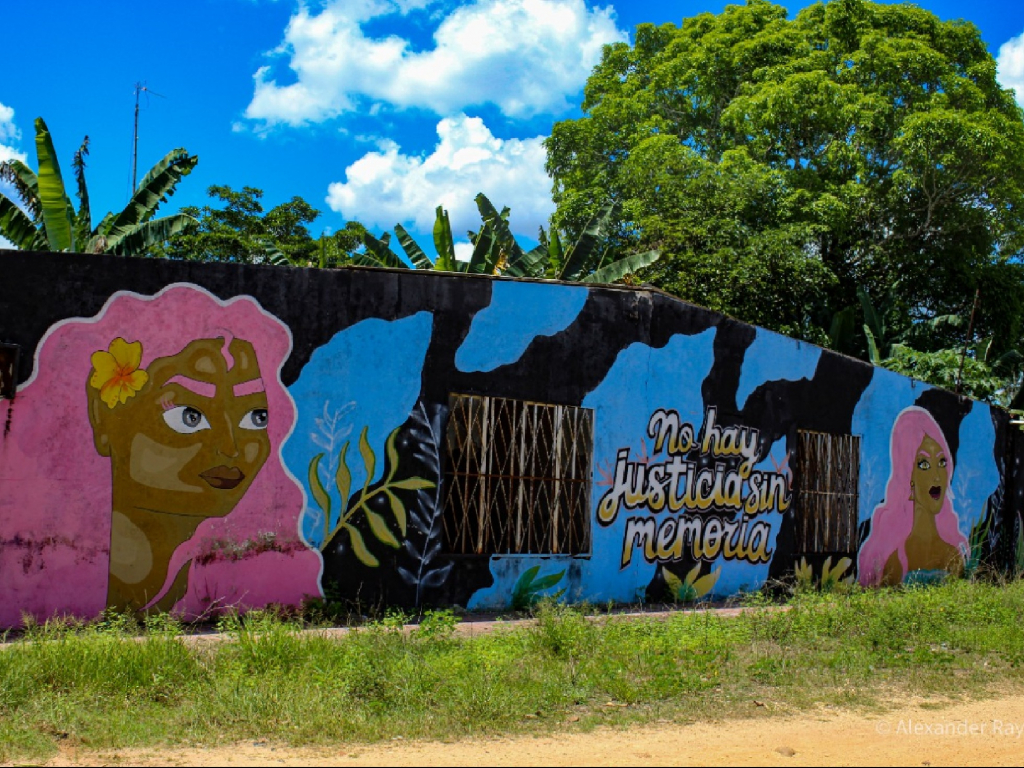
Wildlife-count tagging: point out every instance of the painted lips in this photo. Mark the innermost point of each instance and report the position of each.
(935, 491)
(222, 477)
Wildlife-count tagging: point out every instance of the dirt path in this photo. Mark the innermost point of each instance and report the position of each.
(913, 733)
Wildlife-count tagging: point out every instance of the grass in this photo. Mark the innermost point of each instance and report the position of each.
(93, 686)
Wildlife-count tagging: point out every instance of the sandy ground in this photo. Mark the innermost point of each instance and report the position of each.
(911, 733)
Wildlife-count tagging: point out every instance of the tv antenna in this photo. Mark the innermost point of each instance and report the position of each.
(139, 88)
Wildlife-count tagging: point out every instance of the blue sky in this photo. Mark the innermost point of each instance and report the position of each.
(376, 110)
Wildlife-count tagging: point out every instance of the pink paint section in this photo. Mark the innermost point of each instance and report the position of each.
(248, 388)
(201, 388)
(216, 587)
(55, 489)
(226, 351)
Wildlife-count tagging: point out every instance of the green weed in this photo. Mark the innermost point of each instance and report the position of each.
(123, 683)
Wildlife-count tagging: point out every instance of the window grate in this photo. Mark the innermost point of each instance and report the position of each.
(828, 475)
(517, 477)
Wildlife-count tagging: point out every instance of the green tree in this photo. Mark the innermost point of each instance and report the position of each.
(52, 223)
(337, 249)
(781, 164)
(239, 231)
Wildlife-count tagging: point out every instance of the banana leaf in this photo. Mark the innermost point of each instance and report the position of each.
(873, 355)
(842, 331)
(500, 229)
(377, 254)
(416, 255)
(83, 219)
(625, 266)
(529, 263)
(584, 256)
(19, 228)
(26, 184)
(156, 186)
(444, 243)
(141, 238)
(56, 206)
(556, 254)
(484, 260)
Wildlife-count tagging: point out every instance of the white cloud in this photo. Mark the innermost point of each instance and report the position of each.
(9, 135)
(463, 250)
(384, 187)
(526, 56)
(1010, 66)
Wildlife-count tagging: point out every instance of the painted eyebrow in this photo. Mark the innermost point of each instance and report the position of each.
(201, 388)
(251, 387)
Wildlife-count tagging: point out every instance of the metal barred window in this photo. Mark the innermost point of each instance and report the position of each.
(517, 477)
(827, 476)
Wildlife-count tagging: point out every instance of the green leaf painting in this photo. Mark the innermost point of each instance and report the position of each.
(387, 532)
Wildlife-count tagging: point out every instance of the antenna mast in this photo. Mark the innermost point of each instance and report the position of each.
(135, 135)
(139, 88)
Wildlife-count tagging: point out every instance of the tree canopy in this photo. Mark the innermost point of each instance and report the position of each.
(240, 231)
(782, 164)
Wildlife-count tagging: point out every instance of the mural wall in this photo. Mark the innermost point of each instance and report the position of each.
(196, 437)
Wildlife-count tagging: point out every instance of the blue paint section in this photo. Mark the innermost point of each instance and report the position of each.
(641, 380)
(369, 376)
(518, 313)
(873, 418)
(772, 358)
(739, 575)
(975, 476)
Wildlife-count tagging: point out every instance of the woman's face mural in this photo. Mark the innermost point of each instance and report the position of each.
(915, 532)
(193, 436)
(930, 476)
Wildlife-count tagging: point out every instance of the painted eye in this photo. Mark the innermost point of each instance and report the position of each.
(186, 420)
(923, 464)
(942, 461)
(254, 419)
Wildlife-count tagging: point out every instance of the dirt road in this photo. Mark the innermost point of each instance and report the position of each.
(912, 733)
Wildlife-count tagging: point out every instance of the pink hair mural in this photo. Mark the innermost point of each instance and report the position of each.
(142, 467)
(915, 529)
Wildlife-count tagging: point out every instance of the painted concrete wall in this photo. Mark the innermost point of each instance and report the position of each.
(192, 437)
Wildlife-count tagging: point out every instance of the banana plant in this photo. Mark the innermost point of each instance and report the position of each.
(47, 220)
(589, 260)
(496, 251)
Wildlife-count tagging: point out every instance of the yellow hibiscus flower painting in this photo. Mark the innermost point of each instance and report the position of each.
(116, 372)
